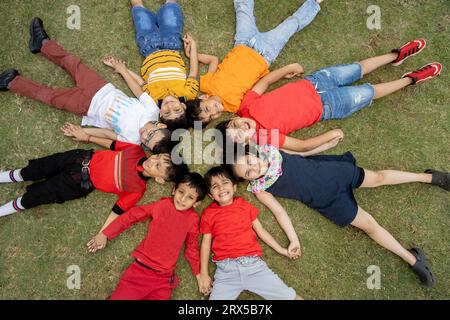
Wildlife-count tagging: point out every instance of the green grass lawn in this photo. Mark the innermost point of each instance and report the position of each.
(409, 130)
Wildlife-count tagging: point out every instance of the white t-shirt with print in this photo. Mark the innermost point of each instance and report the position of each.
(112, 109)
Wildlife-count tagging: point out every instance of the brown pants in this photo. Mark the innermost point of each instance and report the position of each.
(75, 100)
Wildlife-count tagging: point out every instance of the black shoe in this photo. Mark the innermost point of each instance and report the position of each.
(37, 35)
(440, 179)
(6, 77)
(422, 269)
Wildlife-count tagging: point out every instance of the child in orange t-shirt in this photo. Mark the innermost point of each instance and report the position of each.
(225, 84)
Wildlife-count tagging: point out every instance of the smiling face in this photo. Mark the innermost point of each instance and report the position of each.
(156, 167)
(151, 134)
(250, 167)
(210, 108)
(184, 197)
(222, 190)
(241, 130)
(172, 108)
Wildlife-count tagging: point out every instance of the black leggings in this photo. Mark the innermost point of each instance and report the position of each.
(60, 176)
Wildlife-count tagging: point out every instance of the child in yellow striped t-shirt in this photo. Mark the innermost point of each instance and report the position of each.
(163, 72)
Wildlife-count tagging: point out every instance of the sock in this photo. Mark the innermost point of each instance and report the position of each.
(11, 207)
(10, 176)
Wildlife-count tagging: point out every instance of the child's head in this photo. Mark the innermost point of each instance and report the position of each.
(221, 185)
(162, 168)
(156, 137)
(173, 113)
(248, 166)
(237, 130)
(189, 191)
(205, 109)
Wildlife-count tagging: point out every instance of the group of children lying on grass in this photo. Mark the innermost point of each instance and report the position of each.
(274, 163)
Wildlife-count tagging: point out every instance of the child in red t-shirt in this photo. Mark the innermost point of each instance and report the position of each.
(324, 95)
(123, 170)
(174, 222)
(230, 227)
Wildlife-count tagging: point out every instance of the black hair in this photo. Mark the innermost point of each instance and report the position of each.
(174, 171)
(165, 145)
(230, 165)
(193, 109)
(220, 171)
(195, 181)
(222, 128)
(181, 122)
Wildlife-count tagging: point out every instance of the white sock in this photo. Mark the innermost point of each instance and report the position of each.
(11, 207)
(10, 176)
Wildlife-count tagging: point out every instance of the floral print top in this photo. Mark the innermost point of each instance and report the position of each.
(275, 160)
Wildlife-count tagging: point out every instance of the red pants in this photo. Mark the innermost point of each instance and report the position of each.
(140, 283)
(75, 100)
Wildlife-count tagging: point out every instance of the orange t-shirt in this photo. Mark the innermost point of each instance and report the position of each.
(235, 75)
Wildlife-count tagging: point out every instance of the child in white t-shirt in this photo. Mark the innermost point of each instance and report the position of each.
(100, 103)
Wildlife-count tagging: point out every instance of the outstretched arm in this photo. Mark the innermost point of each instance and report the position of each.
(190, 48)
(289, 71)
(323, 147)
(204, 281)
(134, 82)
(283, 220)
(313, 145)
(265, 236)
(98, 136)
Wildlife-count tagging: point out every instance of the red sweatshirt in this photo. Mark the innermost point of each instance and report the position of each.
(167, 231)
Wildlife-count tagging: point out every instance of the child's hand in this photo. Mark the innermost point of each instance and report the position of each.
(338, 133)
(117, 64)
(189, 42)
(284, 252)
(204, 284)
(294, 250)
(97, 243)
(72, 130)
(295, 69)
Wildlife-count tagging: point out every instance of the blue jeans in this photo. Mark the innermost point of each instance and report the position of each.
(338, 98)
(160, 31)
(269, 44)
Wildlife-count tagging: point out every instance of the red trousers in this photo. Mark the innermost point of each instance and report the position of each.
(75, 100)
(140, 283)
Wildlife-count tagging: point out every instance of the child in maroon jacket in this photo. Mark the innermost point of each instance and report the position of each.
(174, 222)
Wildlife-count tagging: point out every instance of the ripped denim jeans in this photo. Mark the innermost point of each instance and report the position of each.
(339, 99)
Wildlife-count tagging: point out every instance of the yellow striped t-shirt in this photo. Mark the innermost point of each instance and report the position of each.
(165, 73)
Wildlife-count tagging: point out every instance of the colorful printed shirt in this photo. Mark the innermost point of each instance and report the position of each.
(275, 160)
(111, 108)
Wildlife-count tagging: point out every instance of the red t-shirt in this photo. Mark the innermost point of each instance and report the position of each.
(288, 108)
(231, 229)
(168, 230)
(119, 171)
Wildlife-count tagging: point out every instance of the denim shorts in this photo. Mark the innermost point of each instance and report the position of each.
(269, 44)
(339, 99)
(248, 273)
(160, 31)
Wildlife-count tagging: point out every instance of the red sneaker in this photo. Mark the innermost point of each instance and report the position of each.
(408, 50)
(426, 72)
